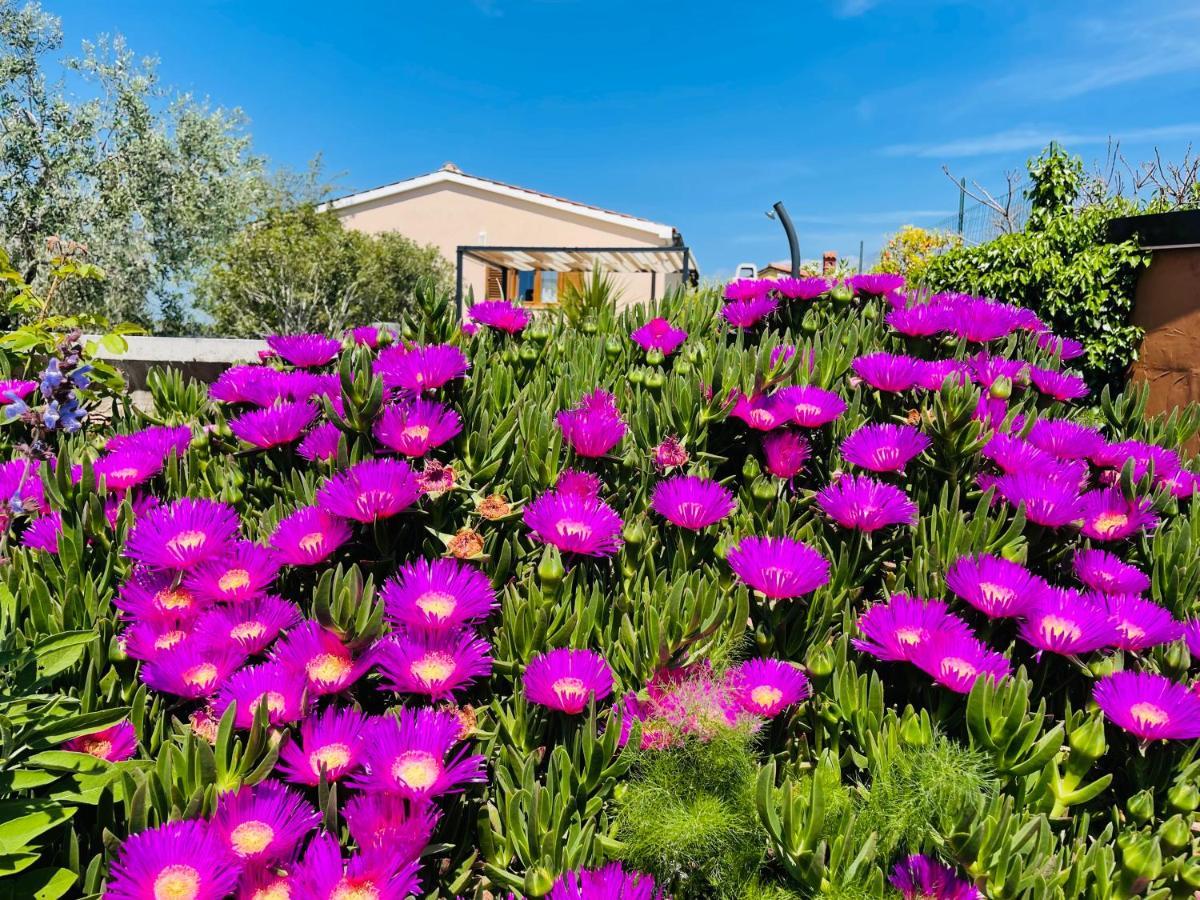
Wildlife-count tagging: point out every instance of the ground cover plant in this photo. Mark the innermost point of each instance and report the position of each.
(809, 590)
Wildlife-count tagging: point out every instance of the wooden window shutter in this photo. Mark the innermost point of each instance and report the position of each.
(568, 278)
(493, 284)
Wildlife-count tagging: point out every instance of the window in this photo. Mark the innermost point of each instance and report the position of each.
(526, 283)
(549, 287)
(534, 286)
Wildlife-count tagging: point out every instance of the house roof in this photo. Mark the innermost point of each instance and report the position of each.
(451, 174)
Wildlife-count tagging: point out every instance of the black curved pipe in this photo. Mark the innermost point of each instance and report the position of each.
(793, 241)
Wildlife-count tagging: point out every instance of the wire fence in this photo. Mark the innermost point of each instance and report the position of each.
(978, 222)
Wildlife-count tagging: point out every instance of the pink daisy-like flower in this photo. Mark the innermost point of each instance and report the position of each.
(595, 426)
(366, 335)
(21, 486)
(956, 661)
(192, 671)
(124, 469)
(808, 405)
(766, 687)
(436, 665)
(897, 629)
(256, 385)
(566, 680)
(670, 453)
(370, 490)
(251, 624)
(659, 334)
(987, 369)
(1140, 623)
(1050, 501)
(576, 483)
(308, 536)
(921, 320)
(1108, 574)
(924, 878)
(1058, 385)
(146, 641)
(415, 428)
(183, 534)
(251, 687)
(246, 571)
(15, 389)
(113, 744)
(500, 315)
(574, 524)
(1116, 455)
(409, 755)
(980, 321)
(1108, 515)
(419, 369)
(1012, 454)
(320, 658)
(151, 596)
(1064, 348)
(1191, 636)
(801, 288)
(161, 440)
(748, 313)
(331, 743)
(438, 595)
(275, 425)
(185, 860)
(786, 452)
(760, 412)
(692, 502)
(308, 351)
(1065, 622)
(1149, 706)
(265, 823)
(932, 375)
(373, 875)
(312, 386)
(321, 443)
(748, 288)
(1065, 439)
(610, 882)
(778, 567)
(876, 283)
(884, 448)
(43, 533)
(887, 372)
(861, 502)
(389, 823)
(996, 587)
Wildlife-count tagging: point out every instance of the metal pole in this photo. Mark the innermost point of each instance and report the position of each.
(962, 203)
(653, 284)
(687, 270)
(458, 298)
(860, 257)
(793, 241)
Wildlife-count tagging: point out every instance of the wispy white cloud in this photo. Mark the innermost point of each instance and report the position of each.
(1033, 138)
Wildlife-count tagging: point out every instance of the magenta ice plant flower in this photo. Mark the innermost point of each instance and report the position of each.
(154, 596)
(920, 321)
(500, 315)
(786, 452)
(252, 624)
(184, 859)
(308, 351)
(766, 687)
(148, 640)
(417, 369)
(659, 334)
(433, 664)
(274, 426)
(116, 743)
(884, 448)
(269, 684)
(1108, 515)
(183, 534)
(1061, 386)
(1064, 348)
(692, 502)
(308, 536)
(322, 874)
(410, 754)
(876, 283)
(808, 405)
(42, 533)
(920, 877)
(574, 523)
(897, 629)
(577, 483)
(438, 595)
(863, 503)
(760, 412)
(193, 670)
(388, 823)
(1140, 623)
(748, 288)
(415, 428)
(595, 426)
(956, 661)
(670, 453)
(748, 313)
(1065, 439)
(1065, 622)
(609, 882)
(778, 567)
(329, 743)
(998, 588)
(887, 372)
(265, 823)
(1048, 499)
(321, 443)
(932, 374)
(370, 490)
(566, 680)
(801, 288)
(256, 385)
(319, 657)
(127, 468)
(1106, 573)
(1149, 706)
(245, 571)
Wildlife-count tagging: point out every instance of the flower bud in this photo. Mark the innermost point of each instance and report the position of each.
(539, 334)
(655, 380)
(762, 489)
(682, 366)
(819, 661)
(1141, 857)
(634, 534)
(750, 468)
(590, 326)
(612, 348)
(1183, 797)
(538, 882)
(637, 376)
(1191, 873)
(842, 293)
(1141, 806)
(550, 570)
(528, 353)
(1001, 389)
(1175, 833)
(654, 356)
(1087, 742)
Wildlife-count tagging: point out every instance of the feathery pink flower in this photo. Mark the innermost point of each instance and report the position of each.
(370, 490)
(415, 428)
(389, 823)
(124, 469)
(434, 664)
(14, 389)
(566, 680)
(932, 374)
(153, 596)
(438, 595)
(1061, 386)
(1050, 501)
(884, 448)
(256, 385)
(410, 755)
(595, 426)
(766, 687)
(251, 624)
(322, 874)
(978, 320)
(182, 534)
(659, 334)
(921, 877)
(778, 567)
(576, 483)
(609, 882)
(308, 351)
(192, 671)
(499, 314)
(574, 524)
(1064, 348)
(692, 502)
(320, 658)
(998, 588)
(183, 859)
(146, 641)
(786, 452)
(308, 536)
(1065, 439)
(801, 288)
(670, 453)
(1106, 573)
(321, 443)
(875, 283)
(1140, 623)
(760, 412)
(863, 503)
(274, 426)
(1149, 706)
(331, 743)
(748, 288)
(748, 313)
(42, 533)
(956, 661)
(922, 320)
(116, 743)
(887, 372)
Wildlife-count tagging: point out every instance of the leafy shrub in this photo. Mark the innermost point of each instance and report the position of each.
(909, 251)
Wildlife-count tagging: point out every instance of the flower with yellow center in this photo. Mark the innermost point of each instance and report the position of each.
(234, 580)
(569, 688)
(333, 757)
(1057, 628)
(177, 882)
(251, 838)
(312, 543)
(765, 696)
(434, 667)
(417, 770)
(327, 668)
(247, 631)
(203, 675)
(437, 604)
(355, 889)
(187, 540)
(1147, 713)
(1108, 522)
(98, 748)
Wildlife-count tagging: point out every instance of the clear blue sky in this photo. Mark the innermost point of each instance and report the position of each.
(697, 114)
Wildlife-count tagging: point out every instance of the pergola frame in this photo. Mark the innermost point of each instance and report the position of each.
(580, 259)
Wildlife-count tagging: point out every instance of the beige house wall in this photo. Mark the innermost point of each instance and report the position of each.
(449, 215)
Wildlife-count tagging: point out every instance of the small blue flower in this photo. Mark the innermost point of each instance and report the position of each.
(15, 408)
(52, 378)
(80, 377)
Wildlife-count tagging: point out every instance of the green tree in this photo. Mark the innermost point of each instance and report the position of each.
(94, 149)
(298, 269)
